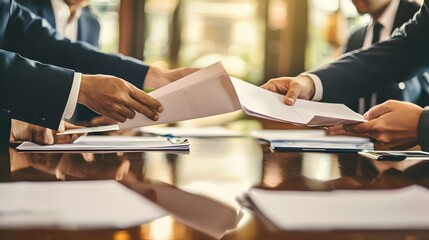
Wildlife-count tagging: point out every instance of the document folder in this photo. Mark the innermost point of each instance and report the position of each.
(113, 143)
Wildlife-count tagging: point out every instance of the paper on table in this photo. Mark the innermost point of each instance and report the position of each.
(107, 143)
(405, 208)
(312, 140)
(305, 135)
(73, 205)
(214, 131)
(262, 103)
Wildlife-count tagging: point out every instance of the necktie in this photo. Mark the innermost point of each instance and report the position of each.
(367, 102)
(376, 32)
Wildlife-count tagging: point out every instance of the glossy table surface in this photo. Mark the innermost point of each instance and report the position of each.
(222, 169)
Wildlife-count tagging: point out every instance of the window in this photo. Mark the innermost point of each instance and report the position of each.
(107, 12)
(201, 32)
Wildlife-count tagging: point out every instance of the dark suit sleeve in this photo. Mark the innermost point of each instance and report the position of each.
(33, 38)
(423, 130)
(363, 72)
(33, 92)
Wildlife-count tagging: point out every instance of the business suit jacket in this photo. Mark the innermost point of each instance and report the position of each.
(370, 70)
(35, 68)
(88, 25)
(88, 31)
(413, 90)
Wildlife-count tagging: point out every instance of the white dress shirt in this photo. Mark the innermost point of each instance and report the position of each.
(387, 19)
(68, 27)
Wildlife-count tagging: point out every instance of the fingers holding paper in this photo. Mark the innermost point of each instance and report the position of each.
(392, 123)
(157, 77)
(301, 86)
(116, 99)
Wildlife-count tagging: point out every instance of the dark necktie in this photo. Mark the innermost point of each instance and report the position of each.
(369, 100)
(376, 32)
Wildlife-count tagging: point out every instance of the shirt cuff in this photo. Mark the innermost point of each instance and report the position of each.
(318, 87)
(74, 94)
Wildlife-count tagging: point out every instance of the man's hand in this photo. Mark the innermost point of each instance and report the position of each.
(393, 123)
(338, 130)
(22, 131)
(157, 77)
(102, 120)
(116, 99)
(292, 87)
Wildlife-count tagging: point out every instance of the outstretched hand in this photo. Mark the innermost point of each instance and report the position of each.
(157, 77)
(116, 99)
(292, 87)
(393, 123)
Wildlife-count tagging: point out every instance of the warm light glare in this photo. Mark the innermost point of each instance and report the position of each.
(319, 166)
(161, 228)
(121, 235)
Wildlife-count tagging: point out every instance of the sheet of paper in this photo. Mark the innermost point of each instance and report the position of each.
(312, 140)
(73, 205)
(262, 103)
(107, 128)
(214, 131)
(305, 135)
(204, 93)
(108, 143)
(405, 208)
(210, 91)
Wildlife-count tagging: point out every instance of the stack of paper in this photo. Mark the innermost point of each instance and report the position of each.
(113, 143)
(405, 208)
(73, 205)
(312, 140)
(210, 91)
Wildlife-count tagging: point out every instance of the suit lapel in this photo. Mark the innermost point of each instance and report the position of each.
(356, 40)
(406, 11)
(82, 29)
(5, 14)
(47, 12)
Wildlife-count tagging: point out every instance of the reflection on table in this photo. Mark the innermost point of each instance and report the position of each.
(221, 168)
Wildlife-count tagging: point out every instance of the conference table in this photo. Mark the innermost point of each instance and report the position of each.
(216, 170)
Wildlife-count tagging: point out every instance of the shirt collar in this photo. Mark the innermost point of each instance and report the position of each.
(387, 18)
(62, 11)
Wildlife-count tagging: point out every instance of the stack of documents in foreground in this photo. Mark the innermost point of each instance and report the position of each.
(312, 140)
(113, 143)
(73, 205)
(211, 91)
(405, 208)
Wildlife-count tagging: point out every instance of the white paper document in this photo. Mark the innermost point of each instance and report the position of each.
(312, 140)
(262, 103)
(405, 208)
(204, 93)
(113, 143)
(201, 132)
(73, 205)
(211, 91)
